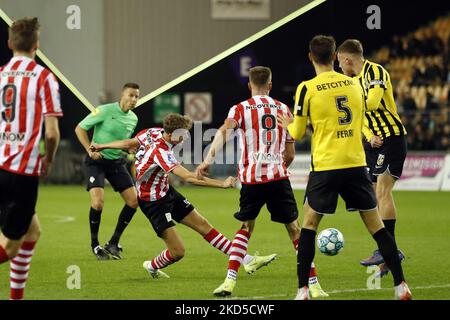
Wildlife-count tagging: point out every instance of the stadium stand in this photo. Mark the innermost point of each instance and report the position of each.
(419, 65)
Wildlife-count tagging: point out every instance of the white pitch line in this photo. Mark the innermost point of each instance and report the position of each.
(65, 219)
(342, 291)
(61, 219)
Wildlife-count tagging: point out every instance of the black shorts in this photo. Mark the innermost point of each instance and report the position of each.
(162, 212)
(18, 196)
(113, 170)
(371, 158)
(278, 197)
(389, 157)
(352, 184)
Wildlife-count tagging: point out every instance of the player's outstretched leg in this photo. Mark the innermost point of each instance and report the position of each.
(315, 289)
(388, 213)
(388, 249)
(197, 222)
(305, 256)
(173, 253)
(20, 264)
(251, 263)
(238, 252)
(161, 261)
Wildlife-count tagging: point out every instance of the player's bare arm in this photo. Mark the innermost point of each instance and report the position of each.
(83, 137)
(191, 177)
(222, 136)
(127, 144)
(52, 137)
(289, 153)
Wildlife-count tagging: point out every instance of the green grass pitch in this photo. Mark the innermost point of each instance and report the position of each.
(423, 233)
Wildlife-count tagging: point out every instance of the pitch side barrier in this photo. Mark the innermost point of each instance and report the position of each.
(422, 171)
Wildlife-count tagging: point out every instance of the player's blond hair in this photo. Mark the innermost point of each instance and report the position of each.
(24, 34)
(174, 121)
(352, 46)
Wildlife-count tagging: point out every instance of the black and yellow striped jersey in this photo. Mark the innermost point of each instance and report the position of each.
(381, 117)
(334, 104)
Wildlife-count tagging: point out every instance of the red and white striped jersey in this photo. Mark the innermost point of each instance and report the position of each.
(262, 141)
(154, 161)
(28, 93)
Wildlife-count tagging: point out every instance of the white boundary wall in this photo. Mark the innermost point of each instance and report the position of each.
(421, 172)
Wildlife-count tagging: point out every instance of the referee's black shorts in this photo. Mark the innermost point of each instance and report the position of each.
(18, 196)
(113, 170)
(277, 195)
(353, 185)
(389, 158)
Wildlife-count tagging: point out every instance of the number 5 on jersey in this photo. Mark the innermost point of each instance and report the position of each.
(340, 103)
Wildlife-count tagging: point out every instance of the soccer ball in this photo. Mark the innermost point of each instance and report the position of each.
(330, 241)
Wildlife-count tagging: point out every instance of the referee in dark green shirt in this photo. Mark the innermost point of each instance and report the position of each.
(111, 122)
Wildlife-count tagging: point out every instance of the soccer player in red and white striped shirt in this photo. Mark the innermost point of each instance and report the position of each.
(266, 151)
(161, 203)
(29, 98)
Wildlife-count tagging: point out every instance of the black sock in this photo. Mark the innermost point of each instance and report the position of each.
(94, 221)
(388, 249)
(125, 217)
(390, 226)
(305, 256)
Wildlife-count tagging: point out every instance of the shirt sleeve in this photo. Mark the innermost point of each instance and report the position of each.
(49, 94)
(235, 114)
(166, 160)
(142, 137)
(301, 107)
(95, 117)
(366, 131)
(377, 77)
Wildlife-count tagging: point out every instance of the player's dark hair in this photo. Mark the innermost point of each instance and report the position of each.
(322, 49)
(260, 76)
(174, 121)
(131, 85)
(24, 34)
(351, 46)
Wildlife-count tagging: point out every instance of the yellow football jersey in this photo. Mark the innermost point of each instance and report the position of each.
(335, 106)
(382, 120)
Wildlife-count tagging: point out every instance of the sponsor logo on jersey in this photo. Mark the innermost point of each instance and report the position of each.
(12, 137)
(267, 158)
(171, 158)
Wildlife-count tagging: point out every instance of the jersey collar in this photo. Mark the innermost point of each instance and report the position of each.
(364, 68)
(14, 58)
